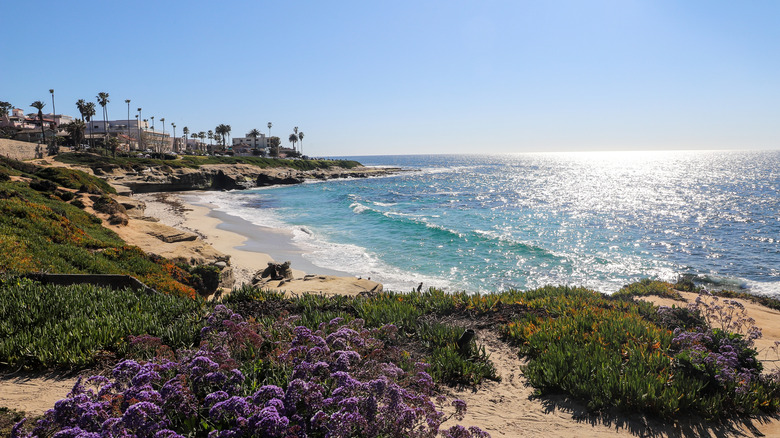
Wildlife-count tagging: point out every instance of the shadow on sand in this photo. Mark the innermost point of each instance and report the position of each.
(651, 427)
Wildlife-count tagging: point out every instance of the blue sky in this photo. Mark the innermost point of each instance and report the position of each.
(382, 77)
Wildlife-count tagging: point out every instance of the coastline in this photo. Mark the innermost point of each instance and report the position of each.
(248, 247)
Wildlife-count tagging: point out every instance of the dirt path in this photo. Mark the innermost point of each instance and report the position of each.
(34, 393)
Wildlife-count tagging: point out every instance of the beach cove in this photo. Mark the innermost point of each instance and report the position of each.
(181, 226)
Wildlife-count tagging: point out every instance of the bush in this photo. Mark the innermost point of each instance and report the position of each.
(43, 185)
(604, 352)
(203, 278)
(78, 203)
(66, 195)
(108, 205)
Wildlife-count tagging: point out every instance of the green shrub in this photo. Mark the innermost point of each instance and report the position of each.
(647, 287)
(108, 205)
(605, 352)
(66, 195)
(70, 326)
(43, 185)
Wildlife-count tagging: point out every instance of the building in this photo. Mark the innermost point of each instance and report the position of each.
(151, 139)
(260, 143)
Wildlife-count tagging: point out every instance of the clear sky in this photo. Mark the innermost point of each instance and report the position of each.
(398, 77)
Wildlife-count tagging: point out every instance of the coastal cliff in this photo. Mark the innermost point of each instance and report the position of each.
(222, 177)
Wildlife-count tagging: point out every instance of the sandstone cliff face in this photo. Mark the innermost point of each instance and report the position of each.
(224, 177)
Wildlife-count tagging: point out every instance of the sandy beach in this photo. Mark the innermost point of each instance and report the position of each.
(246, 247)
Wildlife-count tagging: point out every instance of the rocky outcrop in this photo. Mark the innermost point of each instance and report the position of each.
(224, 177)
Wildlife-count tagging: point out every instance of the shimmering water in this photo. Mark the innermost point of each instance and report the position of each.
(484, 223)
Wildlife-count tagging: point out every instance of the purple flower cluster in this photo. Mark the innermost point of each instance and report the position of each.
(729, 315)
(724, 357)
(337, 388)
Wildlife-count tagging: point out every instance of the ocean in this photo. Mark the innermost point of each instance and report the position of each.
(494, 222)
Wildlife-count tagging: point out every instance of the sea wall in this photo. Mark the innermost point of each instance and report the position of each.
(21, 150)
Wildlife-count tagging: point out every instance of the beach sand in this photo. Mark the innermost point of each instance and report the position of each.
(247, 245)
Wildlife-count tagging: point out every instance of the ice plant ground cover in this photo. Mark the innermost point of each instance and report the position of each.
(41, 232)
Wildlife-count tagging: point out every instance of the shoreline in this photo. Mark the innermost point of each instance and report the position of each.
(249, 247)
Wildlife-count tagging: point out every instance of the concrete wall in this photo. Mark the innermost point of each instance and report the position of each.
(21, 150)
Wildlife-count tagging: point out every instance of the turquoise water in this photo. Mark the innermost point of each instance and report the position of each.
(485, 223)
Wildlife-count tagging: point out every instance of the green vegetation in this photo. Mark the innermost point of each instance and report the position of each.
(41, 233)
(608, 353)
(44, 326)
(647, 287)
(70, 178)
(190, 161)
(417, 316)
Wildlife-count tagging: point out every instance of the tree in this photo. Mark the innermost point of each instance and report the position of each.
(274, 143)
(300, 139)
(76, 131)
(186, 131)
(173, 126)
(162, 142)
(293, 138)
(82, 107)
(223, 130)
(254, 134)
(89, 112)
(211, 137)
(269, 129)
(102, 100)
(39, 106)
(127, 101)
(202, 136)
(4, 108)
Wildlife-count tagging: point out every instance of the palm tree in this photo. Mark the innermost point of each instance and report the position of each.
(223, 130)
(218, 139)
(82, 107)
(39, 106)
(211, 136)
(269, 129)
(127, 101)
(202, 136)
(76, 131)
(254, 134)
(186, 132)
(227, 132)
(293, 138)
(300, 138)
(54, 117)
(53, 110)
(89, 112)
(174, 136)
(154, 136)
(102, 99)
(162, 143)
(140, 133)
